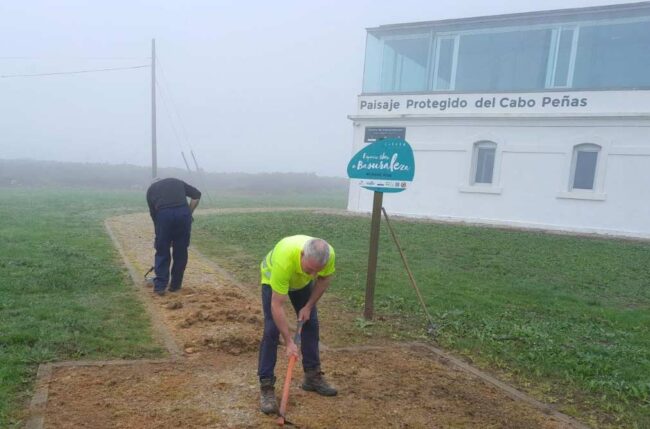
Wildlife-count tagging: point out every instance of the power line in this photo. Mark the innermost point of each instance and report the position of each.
(166, 96)
(169, 116)
(173, 127)
(173, 105)
(73, 72)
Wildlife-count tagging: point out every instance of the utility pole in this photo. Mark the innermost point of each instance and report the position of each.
(154, 156)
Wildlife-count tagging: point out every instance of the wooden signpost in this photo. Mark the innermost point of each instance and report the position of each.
(386, 166)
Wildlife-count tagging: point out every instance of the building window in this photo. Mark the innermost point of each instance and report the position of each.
(503, 61)
(404, 64)
(483, 162)
(613, 56)
(372, 64)
(583, 166)
(584, 55)
(446, 58)
(561, 60)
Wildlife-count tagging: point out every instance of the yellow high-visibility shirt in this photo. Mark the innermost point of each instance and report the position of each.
(281, 268)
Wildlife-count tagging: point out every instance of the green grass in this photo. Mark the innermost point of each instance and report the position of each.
(64, 293)
(232, 199)
(565, 317)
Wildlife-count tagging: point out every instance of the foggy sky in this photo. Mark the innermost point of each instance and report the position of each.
(259, 86)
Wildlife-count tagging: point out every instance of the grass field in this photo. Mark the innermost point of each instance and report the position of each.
(565, 317)
(230, 199)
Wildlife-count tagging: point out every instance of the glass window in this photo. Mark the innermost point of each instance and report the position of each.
(444, 66)
(514, 60)
(404, 64)
(563, 58)
(588, 55)
(372, 64)
(483, 165)
(585, 160)
(613, 56)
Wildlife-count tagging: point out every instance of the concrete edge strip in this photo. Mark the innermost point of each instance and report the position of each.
(101, 363)
(39, 400)
(157, 324)
(362, 348)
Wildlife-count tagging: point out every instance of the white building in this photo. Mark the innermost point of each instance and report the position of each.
(531, 120)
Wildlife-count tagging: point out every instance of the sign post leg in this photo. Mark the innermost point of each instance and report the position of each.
(372, 255)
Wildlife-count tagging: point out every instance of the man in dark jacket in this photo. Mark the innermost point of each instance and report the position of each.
(172, 219)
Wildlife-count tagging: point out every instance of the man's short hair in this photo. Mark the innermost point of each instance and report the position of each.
(317, 250)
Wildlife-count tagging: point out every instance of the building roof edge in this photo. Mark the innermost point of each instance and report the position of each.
(519, 16)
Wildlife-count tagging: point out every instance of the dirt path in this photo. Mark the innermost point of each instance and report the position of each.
(212, 329)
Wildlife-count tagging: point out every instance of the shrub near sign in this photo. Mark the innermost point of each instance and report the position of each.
(384, 166)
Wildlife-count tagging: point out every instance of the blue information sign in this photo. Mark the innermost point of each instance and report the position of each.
(384, 166)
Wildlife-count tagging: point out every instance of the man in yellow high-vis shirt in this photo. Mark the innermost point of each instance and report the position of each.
(299, 269)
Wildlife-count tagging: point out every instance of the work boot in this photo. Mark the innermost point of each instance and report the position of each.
(314, 382)
(268, 403)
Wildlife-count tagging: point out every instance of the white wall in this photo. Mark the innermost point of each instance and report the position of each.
(531, 176)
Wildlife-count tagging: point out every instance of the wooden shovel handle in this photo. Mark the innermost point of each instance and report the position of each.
(287, 385)
(287, 380)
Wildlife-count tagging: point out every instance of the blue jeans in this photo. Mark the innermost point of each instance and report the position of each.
(310, 333)
(173, 227)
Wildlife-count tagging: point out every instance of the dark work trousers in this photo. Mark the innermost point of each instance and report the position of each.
(310, 333)
(173, 227)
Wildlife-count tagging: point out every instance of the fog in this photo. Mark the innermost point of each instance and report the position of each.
(248, 86)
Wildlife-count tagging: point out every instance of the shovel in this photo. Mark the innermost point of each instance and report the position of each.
(287, 380)
(148, 281)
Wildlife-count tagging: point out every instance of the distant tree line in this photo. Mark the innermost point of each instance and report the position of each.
(30, 173)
